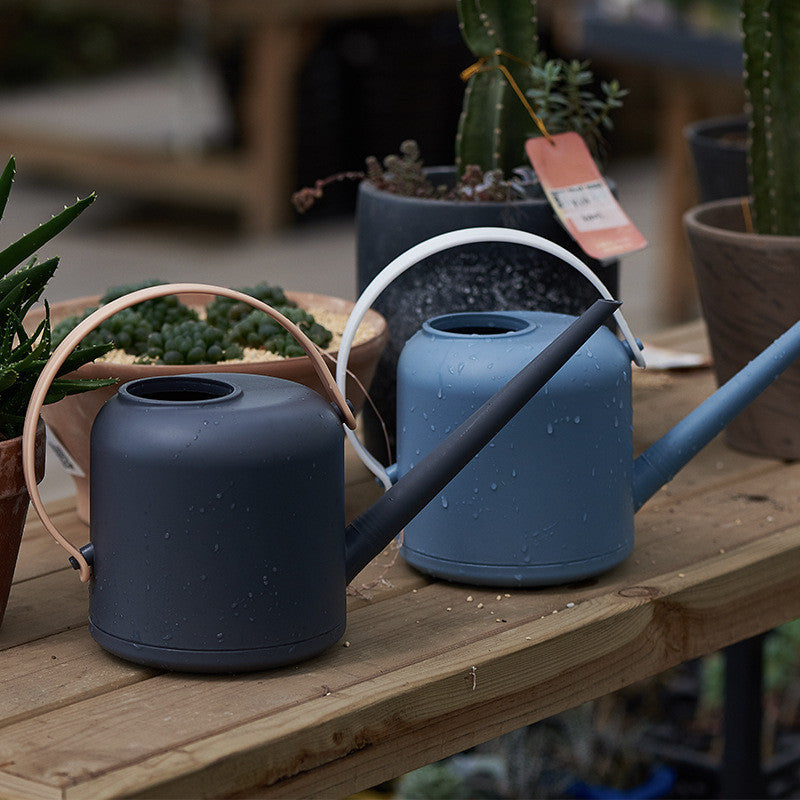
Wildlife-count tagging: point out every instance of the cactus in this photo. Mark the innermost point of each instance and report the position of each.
(513, 80)
(494, 123)
(771, 39)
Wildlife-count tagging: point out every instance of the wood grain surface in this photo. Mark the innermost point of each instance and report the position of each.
(425, 669)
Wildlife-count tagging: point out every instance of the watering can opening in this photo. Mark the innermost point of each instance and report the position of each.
(477, 324)
(179, 389)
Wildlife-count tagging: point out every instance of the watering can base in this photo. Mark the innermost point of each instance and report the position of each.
(216, 661)
(514, 575)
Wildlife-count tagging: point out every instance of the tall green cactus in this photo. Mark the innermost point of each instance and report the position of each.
(771, 38)
(494, 123)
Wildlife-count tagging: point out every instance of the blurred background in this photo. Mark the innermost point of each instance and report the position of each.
(195, 120)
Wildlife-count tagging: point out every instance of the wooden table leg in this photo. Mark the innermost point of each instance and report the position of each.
(274, 57)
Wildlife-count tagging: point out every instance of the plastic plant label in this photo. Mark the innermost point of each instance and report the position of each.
(581, 198)
(63, 456)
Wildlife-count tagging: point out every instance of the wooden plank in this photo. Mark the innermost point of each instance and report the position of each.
(57, 671)
(39, 553)
(41, 606)
(214, 181)
(417, 711)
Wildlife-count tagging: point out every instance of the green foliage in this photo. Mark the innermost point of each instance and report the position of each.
(23, 353)
(165, 331)
(564, 98)
(771, 39)
(437, 781)
(494, 122)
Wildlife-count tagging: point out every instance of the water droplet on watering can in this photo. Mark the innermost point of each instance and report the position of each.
(549, 427)
(444, 502)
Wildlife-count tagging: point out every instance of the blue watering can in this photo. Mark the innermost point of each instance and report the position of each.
(217, 538)
(552, 498)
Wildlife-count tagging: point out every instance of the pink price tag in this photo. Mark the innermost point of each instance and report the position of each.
(581, 198)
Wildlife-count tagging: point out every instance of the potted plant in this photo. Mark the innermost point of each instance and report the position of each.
(746, 254)
(24, 350)
(197, 333)
(400, 203)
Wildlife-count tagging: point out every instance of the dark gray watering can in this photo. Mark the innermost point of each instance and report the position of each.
(552, 499)
(217, 504)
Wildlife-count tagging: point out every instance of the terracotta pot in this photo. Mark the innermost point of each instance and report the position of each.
(14, 505)
(71, 419)
(750, 293)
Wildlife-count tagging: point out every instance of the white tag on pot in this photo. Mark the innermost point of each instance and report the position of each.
(62, 454)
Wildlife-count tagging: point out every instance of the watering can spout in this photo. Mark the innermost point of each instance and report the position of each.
(662, 460)
(369, 533)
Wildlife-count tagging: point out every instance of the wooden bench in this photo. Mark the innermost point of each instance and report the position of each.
(421, 673)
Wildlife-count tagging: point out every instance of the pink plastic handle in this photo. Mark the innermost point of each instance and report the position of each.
(74, 337)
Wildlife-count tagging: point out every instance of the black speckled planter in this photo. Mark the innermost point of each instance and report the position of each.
(483, 277)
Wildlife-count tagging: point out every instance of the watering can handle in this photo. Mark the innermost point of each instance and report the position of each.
(74, 337)
(435, 245)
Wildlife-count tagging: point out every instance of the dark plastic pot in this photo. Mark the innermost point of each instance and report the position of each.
(482, 277)
(719, 152)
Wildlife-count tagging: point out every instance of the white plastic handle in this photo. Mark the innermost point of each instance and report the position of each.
(435, 245)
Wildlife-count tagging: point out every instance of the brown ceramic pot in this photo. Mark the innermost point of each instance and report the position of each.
(749, 289)
(70, 420)
(14, 505)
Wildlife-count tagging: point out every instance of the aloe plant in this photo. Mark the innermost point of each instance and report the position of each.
(24, 354)
(771, 39)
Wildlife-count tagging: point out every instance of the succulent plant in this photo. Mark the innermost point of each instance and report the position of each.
(259, 330)
(165, 331)
(771, 40)
(23, 354)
